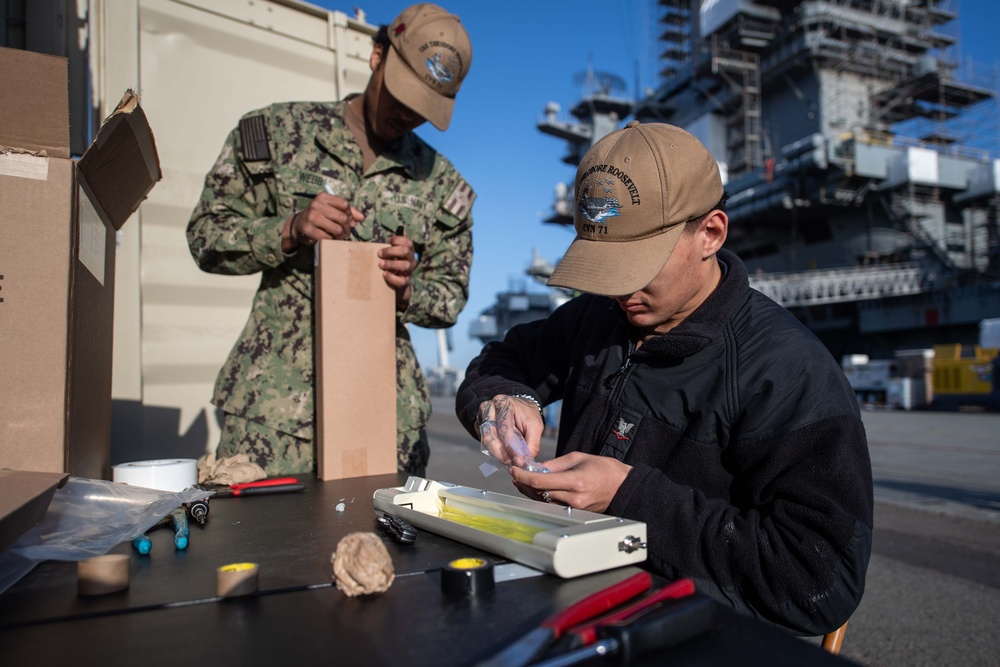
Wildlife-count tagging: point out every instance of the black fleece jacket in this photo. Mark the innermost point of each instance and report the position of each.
(749, 459)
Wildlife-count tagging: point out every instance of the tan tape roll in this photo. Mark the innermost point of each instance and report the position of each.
(102, 574)
(236, 579)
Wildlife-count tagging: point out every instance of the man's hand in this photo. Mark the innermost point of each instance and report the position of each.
(397, 263)
(582, 481)
(497, 421)
(326, 217)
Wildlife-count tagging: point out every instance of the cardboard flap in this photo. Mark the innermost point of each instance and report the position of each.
(34, 102)
(24, 500)
(122, 166)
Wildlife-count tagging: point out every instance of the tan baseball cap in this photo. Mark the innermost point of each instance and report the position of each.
(429, 57)
(635, 189)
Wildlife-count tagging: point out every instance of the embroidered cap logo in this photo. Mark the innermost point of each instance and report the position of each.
(598, 209)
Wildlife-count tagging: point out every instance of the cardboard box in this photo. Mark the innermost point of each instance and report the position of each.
(24, 500)
(355, 362)
(58, 219)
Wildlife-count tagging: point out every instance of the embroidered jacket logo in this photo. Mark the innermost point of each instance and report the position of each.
(623, 429)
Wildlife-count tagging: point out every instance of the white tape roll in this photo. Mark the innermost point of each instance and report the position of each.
(160, 474)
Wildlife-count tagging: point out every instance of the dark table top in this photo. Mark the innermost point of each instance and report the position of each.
(170, 613)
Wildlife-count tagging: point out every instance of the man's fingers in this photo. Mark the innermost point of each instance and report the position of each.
(537, 485)
(486, 415)
(399, 257)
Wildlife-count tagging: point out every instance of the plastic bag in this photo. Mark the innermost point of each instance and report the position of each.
(511, 449)
(86, 518)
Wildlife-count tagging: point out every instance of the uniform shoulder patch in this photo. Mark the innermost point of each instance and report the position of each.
(459, 202)
(253, 137)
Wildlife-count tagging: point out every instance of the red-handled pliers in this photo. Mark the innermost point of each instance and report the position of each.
(261, 486)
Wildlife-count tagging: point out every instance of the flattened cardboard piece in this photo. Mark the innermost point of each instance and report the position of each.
(91, 335)
(355, 362)
(24, 500)
(121, 166)
(57, 267)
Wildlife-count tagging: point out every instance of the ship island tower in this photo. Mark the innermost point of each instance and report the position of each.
(863, 196)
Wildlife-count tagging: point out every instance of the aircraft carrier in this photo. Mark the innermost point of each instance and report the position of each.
(858, 151)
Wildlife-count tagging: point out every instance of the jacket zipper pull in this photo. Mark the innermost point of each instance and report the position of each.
(629, 349)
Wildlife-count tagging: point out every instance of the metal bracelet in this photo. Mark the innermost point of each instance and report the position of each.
(532, 399)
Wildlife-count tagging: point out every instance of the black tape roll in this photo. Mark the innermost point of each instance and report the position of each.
(467, 576)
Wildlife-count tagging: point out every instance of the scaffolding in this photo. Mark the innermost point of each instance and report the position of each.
(744, 128)
(677, 20)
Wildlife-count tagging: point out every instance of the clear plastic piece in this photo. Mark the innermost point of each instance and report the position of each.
(508, 447)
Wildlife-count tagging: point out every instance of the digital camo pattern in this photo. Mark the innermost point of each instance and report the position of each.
(283, 454)
(236, 229)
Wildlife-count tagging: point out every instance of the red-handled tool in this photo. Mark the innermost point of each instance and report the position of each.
(259, 487)
(533, 644)
(271, 481)
(657, 628)
(586, 634)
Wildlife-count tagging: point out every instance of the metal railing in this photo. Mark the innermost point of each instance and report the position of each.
(840, 285)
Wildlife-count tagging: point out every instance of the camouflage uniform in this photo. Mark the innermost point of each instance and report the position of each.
(265, 388)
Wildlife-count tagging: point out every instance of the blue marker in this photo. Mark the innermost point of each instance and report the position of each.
(179, 517)
(142, 544)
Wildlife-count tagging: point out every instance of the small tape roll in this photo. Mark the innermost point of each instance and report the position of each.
(236, 579)
(159, 474)
(467, 576)
(102, 574)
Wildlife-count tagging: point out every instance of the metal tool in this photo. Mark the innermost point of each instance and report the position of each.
(399, 529)
(535, 643)
(669, 624)
(198, 509)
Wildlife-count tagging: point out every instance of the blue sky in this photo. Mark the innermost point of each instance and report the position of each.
(526, 54)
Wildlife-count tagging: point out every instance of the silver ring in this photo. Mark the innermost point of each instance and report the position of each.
(546, 497)
(486, 422)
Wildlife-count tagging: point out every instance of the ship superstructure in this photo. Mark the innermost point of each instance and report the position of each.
(862, 195)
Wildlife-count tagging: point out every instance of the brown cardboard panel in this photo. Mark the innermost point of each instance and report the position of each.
(24, 499)
(34, 102)
(122, 165)
(91, 331)
(35, 243)
(356, 362)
